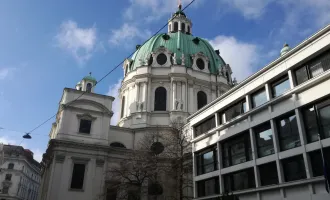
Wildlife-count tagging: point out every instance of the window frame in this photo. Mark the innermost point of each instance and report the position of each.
(264, 168)
(8, 177)
(239, 139)
(159, 106)
(80, 125)
(231, 185)
(278, 82)
(204, 122)
(11, 165)
(159, 57)
(278, 126)
(82, 161)
(201, 184)
(258, 92)
(256, 132)
(243, 109)
(285, 172)
(200, 159)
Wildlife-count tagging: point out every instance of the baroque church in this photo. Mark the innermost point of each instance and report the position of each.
(169, 77)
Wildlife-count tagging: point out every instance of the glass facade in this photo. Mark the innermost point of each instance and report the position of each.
(280, 87)
(294, 168)
(313, 68)
(288, 134)
(268, 174)
(208, 187)
(316, 161)
(235, 110)
(264, 140)
(317, 120)
(258, 98)
(239, 180)
(205, 126)
(237, 150)
(207, 160)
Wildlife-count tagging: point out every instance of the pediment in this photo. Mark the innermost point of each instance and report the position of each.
(86, 104)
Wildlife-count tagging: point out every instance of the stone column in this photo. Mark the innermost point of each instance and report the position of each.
(174, 95)
(144, 95)
(137, 96)
(127, 102)
(183, 95)
(148, 106)
(191, 98)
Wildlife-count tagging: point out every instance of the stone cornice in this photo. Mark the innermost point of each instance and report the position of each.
(89, 93)
(108, 113)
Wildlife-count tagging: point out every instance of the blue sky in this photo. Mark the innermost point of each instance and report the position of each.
(46, 46)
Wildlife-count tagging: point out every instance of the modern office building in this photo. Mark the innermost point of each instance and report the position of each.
(259, 140)
(19, 174)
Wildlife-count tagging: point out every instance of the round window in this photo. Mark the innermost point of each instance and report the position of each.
(200, 64)
(161, 59)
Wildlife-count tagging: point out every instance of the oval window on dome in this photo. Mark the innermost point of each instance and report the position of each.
(200, 64)
(161, 59)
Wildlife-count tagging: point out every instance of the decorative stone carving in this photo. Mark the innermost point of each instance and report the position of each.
(234, 81)
(86, 116)
(139, 106)
(142, 62)
(183, 62)
(174, 59)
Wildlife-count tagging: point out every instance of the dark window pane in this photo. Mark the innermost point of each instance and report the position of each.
(183, 28)
(200, 64)
(301, 75)
(237, 150)
(294, 168)
(316, 161)
(239, 180)
(268, 174)
(78, 174)
(201, 99)
(89, 87)
(264, 139)
(311, 127)
(280, 87)
(188, 29)
(288, 132)
(160, 99)
(207, 161)
(11, 166)
(235, 110)
(122, 107)
(324, 114)
(161, 59)
(259, 98)
(208, 187)
(5, 190)
(176, 27)
(8, 177)
(85, 126)
(205, 126)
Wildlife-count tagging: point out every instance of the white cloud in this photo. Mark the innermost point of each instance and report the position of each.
(79, 42)
(127, 34)
(6, 72)
(241, 56)
(250, 9)
(114, 92)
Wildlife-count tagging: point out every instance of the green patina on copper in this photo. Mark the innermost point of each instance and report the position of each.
(90, 78)
(179, 43)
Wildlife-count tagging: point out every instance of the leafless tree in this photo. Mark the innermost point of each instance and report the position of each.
(166, 152)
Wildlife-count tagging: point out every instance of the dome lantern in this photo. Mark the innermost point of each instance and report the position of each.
(87, 83)
(179, 22)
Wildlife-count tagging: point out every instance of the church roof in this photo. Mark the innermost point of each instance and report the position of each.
(179, 43)
(89, 78)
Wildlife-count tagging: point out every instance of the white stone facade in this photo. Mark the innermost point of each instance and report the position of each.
(296, 100)
(20, 174)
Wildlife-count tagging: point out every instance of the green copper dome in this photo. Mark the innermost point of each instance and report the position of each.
(179, 43)
(90, 78)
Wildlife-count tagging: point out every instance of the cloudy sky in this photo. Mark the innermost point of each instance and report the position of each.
(46, 46)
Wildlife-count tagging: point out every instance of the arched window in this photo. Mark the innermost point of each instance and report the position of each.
(183, 28)
(117, 145)
(201, 99)
(188, 29)
(11, 166)
(175, 27)
(160, 99)
(89, 87)
(122, 107)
